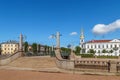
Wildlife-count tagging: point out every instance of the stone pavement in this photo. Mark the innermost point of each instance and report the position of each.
(32, 75)
(44, 64)
(37, 63)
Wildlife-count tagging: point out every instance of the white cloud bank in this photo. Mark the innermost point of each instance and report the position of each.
(73, 33)
(101, 29)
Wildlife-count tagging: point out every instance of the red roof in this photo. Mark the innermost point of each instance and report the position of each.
(98, 41)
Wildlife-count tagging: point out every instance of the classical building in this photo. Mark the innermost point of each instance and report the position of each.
(100, 47)
(9, 47)
(107, 47)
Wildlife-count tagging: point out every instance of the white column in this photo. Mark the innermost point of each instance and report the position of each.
(58, 40)
(21, 43)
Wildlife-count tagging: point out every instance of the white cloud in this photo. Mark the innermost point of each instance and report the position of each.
(50, 37)
(73, 33)
(101, 29)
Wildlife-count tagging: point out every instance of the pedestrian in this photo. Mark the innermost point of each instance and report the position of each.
(109, 66)
(117, 66)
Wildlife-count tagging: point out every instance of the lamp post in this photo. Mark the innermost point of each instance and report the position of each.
(57, 36)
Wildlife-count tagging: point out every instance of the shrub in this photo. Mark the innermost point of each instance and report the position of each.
(111, 57)
(87, 55)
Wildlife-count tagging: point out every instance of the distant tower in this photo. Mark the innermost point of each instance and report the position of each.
(82, 41)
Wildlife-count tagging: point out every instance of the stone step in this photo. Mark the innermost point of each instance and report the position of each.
(34, 62)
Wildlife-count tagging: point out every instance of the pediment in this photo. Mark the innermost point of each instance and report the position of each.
(115, 40)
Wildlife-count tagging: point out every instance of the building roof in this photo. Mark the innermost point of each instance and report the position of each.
(10, 42)
(98, 41)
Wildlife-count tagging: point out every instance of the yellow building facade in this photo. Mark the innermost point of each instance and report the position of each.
(9, 47)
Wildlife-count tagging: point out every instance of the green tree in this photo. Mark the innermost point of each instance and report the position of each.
(34, 47)
(77, 49)
(26, 46)
(67, 50)
(111, 51)
(92, 51)
(104, 51)
(98, 51)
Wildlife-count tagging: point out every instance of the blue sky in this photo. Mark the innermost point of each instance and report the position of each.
(38, 19)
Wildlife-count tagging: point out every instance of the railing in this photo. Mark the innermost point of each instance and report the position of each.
(118, 66)
(7, 56)
(91, 64)
(10, 58)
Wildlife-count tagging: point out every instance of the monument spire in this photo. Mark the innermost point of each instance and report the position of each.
(82, 34)
(81, 40)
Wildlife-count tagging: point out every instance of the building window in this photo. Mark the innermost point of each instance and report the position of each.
(106, 46)
(111, 46)
(82, 40)
(91, 46)
(88, 46)
(103, 46)
(82, 46)
(98, 46)
(95, 46)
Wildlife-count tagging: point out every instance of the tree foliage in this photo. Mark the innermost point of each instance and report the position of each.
(104, 51)
(91, 51)
(26, 46)
(111, 51)
(34, 47)
(77, 49)
(67, 50)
